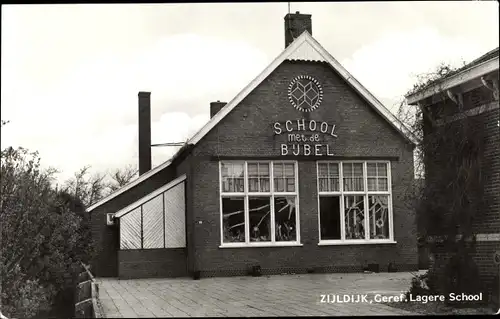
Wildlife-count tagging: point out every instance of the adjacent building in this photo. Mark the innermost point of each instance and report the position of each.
(303, 171)
(461, 116)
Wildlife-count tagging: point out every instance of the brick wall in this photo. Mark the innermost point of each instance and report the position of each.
(185, 167)
(482, 255)
(488, 217)
(248, 132)
(149, 263)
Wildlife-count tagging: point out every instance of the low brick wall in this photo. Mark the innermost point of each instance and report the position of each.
(489, 272)
(87, 296)
(150, 263)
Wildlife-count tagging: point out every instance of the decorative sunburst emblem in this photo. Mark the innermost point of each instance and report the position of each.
(305, 93)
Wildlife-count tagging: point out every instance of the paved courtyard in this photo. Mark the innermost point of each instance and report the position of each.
(287, 295)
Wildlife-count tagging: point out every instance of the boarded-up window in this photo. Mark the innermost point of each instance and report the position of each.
(130, 230)
(159, 222)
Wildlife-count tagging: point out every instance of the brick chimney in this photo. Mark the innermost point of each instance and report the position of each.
(215, 107)
(144, 132)
(295, 24)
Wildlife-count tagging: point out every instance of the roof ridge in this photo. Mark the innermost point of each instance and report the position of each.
(484, 55)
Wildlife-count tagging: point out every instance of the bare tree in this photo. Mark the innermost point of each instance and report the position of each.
(121, 177)
(91, 187)
(88, 187)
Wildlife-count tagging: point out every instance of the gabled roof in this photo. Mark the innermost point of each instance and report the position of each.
(483, 65)
(305, 47)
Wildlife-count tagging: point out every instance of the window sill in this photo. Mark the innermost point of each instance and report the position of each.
(356, 242)
(259, 245)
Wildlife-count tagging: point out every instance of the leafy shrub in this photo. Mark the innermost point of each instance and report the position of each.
(44, 236)
(420, 285)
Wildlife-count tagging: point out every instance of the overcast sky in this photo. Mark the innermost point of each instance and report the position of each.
(71, 73)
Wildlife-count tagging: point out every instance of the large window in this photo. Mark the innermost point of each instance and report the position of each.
(354, 202)
(259, 203)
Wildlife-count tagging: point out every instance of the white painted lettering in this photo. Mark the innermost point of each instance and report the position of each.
(318, 150)
(312, 125)
(307, 149)
(328, 150)
(301, 126)
(296, 149)
(333, 130)
(324, 127)
(288, 128)
(284, 149)
(277, 128)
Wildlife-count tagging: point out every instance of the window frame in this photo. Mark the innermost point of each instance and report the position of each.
(366, 193)
(271, 195)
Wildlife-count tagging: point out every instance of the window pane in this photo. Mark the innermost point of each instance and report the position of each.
(264, 169)
(253, 184)
(382, 169)
(265, 185)
(333, 173)
(371, 169)
(323, 185)
(289, 170)
(329, 210)
(238, 170)
(232, 177)
(322, 170)
(225, 184)
(252, 170)
(239, 185)
(285, 228)
(333, 170)
(382, 184)
(334, 185)
(233, 219)
(260, 218)
(358, 169)
(347, 169)
(379, 217)
(278, 170)
(354, 217)
(290, 185)
(225, 170)
(353, 184)
(372, 184)
(279, 185)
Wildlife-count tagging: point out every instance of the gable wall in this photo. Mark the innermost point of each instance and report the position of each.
(248, 132)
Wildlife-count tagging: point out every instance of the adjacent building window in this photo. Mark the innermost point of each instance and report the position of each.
(354, 201)
(259, 203)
